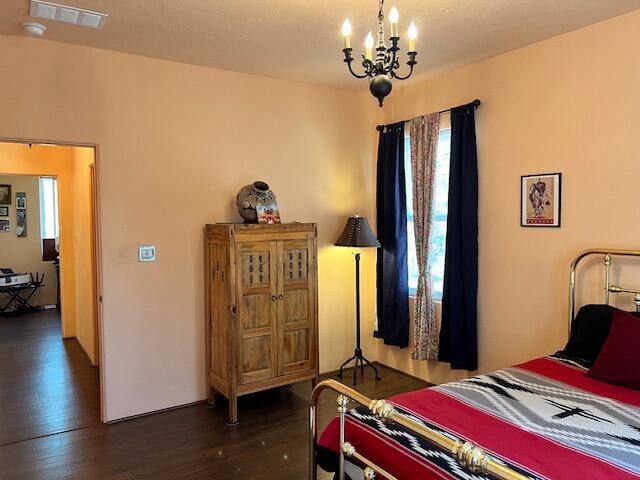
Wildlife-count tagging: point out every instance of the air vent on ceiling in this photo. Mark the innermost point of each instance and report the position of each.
(67, 14)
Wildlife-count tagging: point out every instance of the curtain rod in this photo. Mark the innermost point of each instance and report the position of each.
(476, 103)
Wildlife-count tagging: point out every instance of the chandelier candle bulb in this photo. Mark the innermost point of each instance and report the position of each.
(346, 33)
(394, 16)
(368, 43)
(412, 34)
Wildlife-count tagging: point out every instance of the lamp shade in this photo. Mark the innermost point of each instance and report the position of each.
(357, 233)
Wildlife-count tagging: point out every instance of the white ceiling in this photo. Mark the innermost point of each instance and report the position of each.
(300, 39)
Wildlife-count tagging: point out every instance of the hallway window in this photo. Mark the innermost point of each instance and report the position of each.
(49, 208)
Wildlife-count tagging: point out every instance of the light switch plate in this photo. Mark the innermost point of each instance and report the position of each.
(146, 253)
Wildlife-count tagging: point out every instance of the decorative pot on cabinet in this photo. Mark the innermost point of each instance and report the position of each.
(252, 195)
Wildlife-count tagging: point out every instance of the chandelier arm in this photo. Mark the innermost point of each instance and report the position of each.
(399, 77)
(412, 62)
(348, 58)
(365, 75)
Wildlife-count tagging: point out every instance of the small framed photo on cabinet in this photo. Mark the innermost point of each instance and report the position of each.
(541, 200)
(268, 213)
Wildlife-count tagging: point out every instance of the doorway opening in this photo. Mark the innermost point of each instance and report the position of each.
(50, 311)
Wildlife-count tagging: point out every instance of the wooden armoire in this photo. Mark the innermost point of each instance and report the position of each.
(262, 308)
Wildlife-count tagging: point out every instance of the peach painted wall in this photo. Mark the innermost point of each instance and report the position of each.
(81, 159)
(568, 104)
(176, 142)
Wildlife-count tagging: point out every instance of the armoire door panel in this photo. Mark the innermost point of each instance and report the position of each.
(255, 265)
(295, 258)
(257, 311)
(295, 351)
(296, 317)
(256, 357)
(296, 306)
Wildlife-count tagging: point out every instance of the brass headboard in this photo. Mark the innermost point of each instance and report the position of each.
(608, 288)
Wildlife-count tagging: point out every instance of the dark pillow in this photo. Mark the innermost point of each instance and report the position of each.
(589, 331)
(619, 362)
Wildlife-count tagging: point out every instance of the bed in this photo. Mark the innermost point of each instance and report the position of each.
(549, 418)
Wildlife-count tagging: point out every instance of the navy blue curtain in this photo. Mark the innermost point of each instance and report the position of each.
(458, 331)
(392, 270)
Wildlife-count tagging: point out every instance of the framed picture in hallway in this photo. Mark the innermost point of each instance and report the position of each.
(21, 223)
(5, 194)
(21, 201)
(540, 200)
(5, 225)
(4, 211)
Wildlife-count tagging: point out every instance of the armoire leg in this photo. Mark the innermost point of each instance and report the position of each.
(233, 411)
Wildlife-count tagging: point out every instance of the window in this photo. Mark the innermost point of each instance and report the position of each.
(438, 211)
(49, 207)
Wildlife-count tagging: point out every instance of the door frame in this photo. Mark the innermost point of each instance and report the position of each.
(96, 285)
(97, 245)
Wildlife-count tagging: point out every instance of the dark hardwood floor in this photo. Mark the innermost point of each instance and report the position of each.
(47, 384)
(191, 443)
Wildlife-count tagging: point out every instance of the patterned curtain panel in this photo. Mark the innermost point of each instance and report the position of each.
(424, 142)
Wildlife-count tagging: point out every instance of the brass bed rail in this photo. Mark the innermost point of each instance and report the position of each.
(468, 455)
(609, 254)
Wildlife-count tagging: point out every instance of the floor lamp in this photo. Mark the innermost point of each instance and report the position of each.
(357, 234)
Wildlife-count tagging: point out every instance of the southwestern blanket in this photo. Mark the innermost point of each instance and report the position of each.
(544, 418)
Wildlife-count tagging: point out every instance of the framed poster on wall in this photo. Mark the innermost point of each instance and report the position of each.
(540, 200)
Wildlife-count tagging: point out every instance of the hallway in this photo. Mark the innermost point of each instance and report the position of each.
(47, 384)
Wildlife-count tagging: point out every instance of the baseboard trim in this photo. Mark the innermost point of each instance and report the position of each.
(162, 410)
(376, 362)
(422, 380)
(330, 373)
(83, 350)
(204, 401)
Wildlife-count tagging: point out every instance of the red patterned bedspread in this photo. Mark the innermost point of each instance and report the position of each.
(544, 418)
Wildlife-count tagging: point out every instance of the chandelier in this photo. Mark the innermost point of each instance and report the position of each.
(386, 64)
